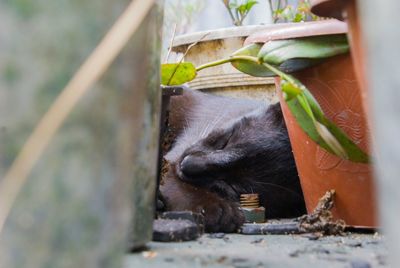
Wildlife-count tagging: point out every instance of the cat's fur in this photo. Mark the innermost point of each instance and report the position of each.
(226, 147)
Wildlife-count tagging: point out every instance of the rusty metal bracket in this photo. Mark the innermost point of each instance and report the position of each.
(167, 93)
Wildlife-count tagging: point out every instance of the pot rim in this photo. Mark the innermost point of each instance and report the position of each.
(296, 30)
(223, 33)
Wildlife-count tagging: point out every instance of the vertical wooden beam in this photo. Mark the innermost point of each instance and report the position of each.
(97, 177)
(146, 152)
(380, 26)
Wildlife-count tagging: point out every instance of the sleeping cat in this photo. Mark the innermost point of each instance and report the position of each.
(226, 147)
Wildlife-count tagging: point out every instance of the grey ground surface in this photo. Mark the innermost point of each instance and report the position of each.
(235, 250)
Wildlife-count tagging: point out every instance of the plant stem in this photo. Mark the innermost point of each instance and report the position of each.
(276, 18)
(234, 20)
(237, 22)
(214, 63)
(281, 74)
(231, 14)
(171, 43)
(272, 10)
(254, 60)
(243, 16)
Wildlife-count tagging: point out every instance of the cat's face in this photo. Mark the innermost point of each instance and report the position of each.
(231, 160)
(249, 153)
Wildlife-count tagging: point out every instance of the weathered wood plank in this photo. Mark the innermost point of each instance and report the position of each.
(98, 176)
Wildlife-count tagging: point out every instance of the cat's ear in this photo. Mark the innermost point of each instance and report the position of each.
(274, 114)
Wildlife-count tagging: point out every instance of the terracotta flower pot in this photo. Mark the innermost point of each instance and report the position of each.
(334, 85)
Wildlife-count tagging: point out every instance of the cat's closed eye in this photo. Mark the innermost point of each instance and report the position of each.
(219, 138)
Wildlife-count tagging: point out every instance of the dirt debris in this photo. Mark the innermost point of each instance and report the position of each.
(164, 170)
(321, 220)
(169, 137)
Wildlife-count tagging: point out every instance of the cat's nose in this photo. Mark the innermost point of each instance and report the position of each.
(192, 165)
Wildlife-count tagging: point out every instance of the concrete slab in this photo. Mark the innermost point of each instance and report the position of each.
(235, 250)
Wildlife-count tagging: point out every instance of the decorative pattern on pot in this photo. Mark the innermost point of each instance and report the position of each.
(349, 119)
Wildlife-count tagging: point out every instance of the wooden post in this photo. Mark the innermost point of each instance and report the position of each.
(380, 22)
(97, 178)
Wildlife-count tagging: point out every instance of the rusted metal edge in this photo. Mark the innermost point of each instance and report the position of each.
(271, 228)
(167, 92)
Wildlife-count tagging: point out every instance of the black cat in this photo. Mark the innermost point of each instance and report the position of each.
(226, 147)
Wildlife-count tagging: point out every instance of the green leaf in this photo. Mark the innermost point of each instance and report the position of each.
(241, 8)
(233, 4)
(288, 13)
(310, 48)
(290, 55)
(246, 7)
(306, 106)
(248, 67)
(318, 127)
(251, 3)
(330, 140)
(177, 73)
(290, 90)
(355, 153)
(298, 17)
(279, 11)
(305, 122)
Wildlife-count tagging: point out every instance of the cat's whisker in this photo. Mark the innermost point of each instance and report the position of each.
(211, 125)
(279, 186)
(219, 119)
(186, 122)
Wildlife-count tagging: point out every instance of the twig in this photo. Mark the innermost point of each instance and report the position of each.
(192, 45)
(242, 17)
(237, 22)
(91, 70)
(171, 44)
(184, 55)
(226, 4)
(271, 7)
(234, 20)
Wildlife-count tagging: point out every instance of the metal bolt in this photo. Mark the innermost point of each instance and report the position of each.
(250, 205)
